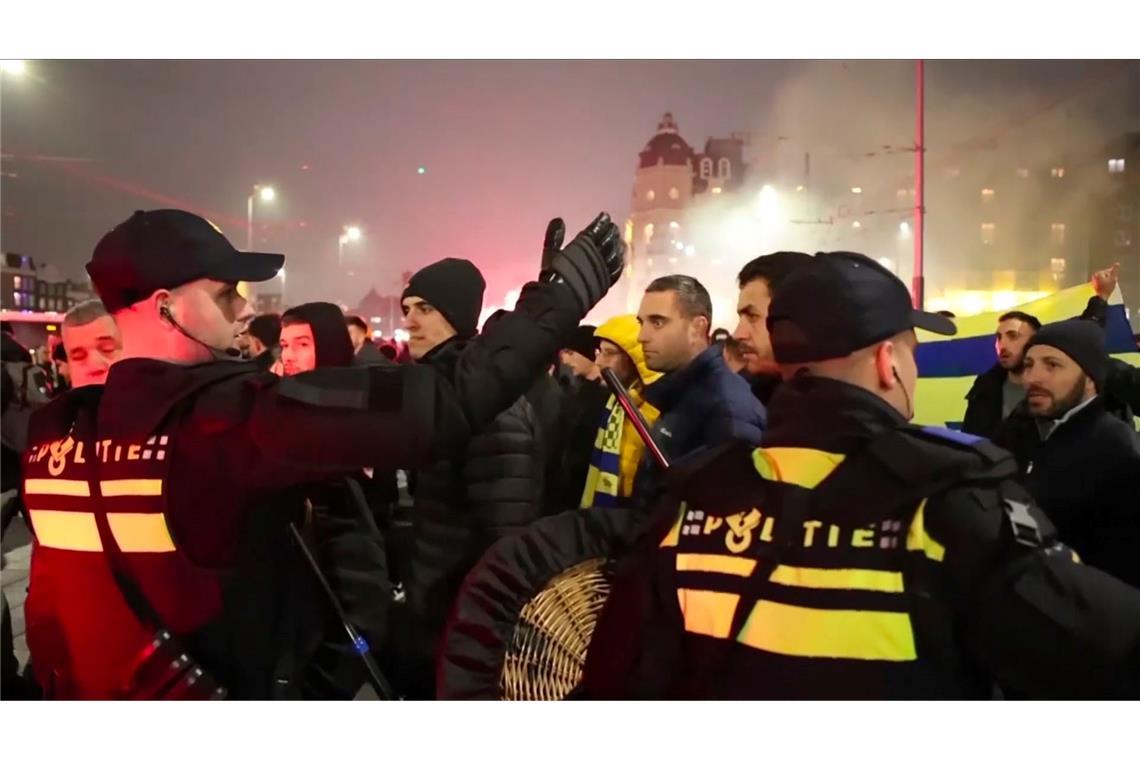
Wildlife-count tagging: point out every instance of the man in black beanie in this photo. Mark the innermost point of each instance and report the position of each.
(463, 504)
(579, 353)
(1081, 464)
(442, 301)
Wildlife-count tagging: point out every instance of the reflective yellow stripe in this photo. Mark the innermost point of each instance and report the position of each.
(716, 563)
(674, 536)
(708, 613)
(56, 487)
(75, 531)
(918, 540)
(802, 467)
(140, 532)
(857, 579)
(849, 634)
(146, 487)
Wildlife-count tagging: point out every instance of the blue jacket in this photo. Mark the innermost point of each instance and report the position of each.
(704, 404)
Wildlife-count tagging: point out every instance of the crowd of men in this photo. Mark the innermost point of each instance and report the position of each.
(399, 466)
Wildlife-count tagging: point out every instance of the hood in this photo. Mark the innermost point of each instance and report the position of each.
(622, 331)
(334, 347)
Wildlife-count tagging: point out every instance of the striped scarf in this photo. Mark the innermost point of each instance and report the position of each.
(617, 453)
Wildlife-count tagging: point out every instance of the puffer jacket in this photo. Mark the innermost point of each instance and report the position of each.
(463, 505)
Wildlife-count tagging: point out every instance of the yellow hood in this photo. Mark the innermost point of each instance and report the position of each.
(622, 331)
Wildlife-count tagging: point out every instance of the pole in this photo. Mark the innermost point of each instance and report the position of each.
(249, 222)
(919, 281)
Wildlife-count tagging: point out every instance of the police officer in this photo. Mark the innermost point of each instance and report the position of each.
(854, 555)
(155, 500)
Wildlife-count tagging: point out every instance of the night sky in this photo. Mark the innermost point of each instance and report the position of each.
(506, 145)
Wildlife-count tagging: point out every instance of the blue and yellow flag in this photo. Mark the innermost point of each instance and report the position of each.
(947, 365)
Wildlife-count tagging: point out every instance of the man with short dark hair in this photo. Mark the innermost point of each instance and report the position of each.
(264, 334)
(92, 343)
(362, 345)
(759, 280)
(998, 391)
(702, 402)
(1081, 463)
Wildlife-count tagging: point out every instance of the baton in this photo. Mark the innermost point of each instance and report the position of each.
(633, 414)
(383, 690)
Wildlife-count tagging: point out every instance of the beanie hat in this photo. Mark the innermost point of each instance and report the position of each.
(1081, 340)
(583, 341)
(454, 287)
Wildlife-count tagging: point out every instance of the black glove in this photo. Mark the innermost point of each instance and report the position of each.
(552, 243)
(590, 264)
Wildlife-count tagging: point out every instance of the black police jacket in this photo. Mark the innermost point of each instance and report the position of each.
(242, 441)
(872, 560)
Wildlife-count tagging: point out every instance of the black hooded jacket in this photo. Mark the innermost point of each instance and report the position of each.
(346, 540)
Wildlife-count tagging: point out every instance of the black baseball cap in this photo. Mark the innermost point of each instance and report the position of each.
(166, 248)
(839, 303)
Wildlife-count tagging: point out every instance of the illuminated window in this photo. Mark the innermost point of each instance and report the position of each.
(987, 194)
(989, 231)
(674, 226)
(1023, 173)
(857, 224)
(857, 190)
(706, 168)
(1115, 165)
(1057, 172)
(649, 233)
(19, 298)
(674, 193)
(650, 195)
(1057, 233)
(16, 282)
(901, 193)
(716, 191)
(724, 168)
(1057, 266)
(628, 231)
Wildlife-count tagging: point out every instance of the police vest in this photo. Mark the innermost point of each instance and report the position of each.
(87, 496)
(786, 594)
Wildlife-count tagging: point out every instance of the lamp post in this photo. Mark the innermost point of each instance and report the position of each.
(266, 195)
(351, 234)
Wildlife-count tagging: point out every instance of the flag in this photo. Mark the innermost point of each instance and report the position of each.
(947, 365)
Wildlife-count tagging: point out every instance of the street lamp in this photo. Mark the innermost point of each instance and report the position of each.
(351, 234)
(267, 195)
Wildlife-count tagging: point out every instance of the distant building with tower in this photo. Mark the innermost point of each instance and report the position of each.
(669, 179)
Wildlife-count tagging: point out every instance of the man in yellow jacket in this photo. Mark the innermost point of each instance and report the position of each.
(618, 449)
